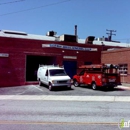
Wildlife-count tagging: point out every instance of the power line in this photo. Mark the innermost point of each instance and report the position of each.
(11, 2)
(110, 34)
(35, 8)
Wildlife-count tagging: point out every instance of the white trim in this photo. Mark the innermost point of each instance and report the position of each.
(70, 57)
(4, 55)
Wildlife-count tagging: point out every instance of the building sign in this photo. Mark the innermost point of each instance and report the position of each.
(69, 47)
(4, 55)
(70, 57)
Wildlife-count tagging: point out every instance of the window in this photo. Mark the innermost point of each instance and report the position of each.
(57, 72)
(123, 69)
(82, 72)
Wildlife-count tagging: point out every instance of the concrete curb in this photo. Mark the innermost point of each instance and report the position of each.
(123, 87)
(66, 98)
(126, 84)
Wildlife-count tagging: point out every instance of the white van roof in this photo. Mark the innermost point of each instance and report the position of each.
(51, 66)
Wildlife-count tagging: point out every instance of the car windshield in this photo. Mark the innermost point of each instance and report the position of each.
(57, 72)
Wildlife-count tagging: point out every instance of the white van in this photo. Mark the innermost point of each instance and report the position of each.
(53, 76)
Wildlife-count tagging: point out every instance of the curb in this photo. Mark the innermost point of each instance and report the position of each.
(123, 87)
(66, 98)
(126, 84)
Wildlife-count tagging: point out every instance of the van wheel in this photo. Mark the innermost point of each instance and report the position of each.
(69, 87)
(94, 86)
(40, 83)
(76, 83)
(50, 86)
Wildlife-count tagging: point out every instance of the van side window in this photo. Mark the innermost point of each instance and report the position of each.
(46, 73)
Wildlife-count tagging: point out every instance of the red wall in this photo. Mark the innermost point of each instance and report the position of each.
(13, 68)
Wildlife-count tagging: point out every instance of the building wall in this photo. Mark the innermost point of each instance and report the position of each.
(119, 56)
(19, 56)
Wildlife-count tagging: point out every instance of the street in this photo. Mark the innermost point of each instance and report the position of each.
(32, 107)
(40, 114)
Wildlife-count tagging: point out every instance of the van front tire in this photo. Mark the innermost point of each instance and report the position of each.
(69, 87)
(50, 86)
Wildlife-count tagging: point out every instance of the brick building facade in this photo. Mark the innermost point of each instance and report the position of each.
(21, 54)
(120, 57)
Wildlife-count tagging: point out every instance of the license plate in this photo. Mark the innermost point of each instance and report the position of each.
(111, 80)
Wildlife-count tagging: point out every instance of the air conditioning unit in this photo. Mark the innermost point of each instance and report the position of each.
(89, 40)
(51, 33)
(68, 38)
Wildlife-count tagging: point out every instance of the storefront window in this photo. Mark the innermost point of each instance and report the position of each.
(123, 69)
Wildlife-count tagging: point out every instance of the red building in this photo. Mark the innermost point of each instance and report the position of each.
(21, 54)
(121, 58)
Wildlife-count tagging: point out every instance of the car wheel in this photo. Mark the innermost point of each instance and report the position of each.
(50, 86)
(76, 83)
(94, 86)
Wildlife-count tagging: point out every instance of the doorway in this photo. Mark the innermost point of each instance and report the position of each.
(70, 67)
(33, 62)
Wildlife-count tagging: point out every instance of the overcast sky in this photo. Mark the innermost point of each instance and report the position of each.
(92, 17)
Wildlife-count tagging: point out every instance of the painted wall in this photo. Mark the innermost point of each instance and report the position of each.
(14, 52)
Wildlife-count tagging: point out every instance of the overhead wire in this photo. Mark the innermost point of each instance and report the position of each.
(35, 8)
(11, 2)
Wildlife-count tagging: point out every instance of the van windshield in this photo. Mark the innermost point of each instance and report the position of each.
(57, 72)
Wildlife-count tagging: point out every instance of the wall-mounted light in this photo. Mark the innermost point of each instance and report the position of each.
(77, 52)
(63, 51)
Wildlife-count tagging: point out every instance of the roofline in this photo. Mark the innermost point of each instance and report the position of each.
(24, 35)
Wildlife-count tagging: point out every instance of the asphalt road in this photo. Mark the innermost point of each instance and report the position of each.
(61, 115)
(74, 91)
(33, 107)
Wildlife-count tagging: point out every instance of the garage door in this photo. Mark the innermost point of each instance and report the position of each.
(33, 62)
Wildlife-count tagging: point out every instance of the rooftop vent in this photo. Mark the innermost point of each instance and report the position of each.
(68, 38)
(14, 32)
(89, 40)
(51, 33)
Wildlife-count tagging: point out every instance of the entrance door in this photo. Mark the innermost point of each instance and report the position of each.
(33, 62)
(70, 67)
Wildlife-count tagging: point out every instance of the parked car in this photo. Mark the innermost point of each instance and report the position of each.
(101, 75)
(53, 76)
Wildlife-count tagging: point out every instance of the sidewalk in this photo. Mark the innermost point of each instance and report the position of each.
(65, 98)
(126, 84)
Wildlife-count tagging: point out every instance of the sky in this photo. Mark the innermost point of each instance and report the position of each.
(92, 17)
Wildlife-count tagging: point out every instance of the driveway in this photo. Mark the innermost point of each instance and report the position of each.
(74, 91)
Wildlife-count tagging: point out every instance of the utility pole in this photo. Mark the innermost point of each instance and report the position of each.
(110, 34)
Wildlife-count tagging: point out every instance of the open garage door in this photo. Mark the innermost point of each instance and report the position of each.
(32, 64)
(70, 67)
